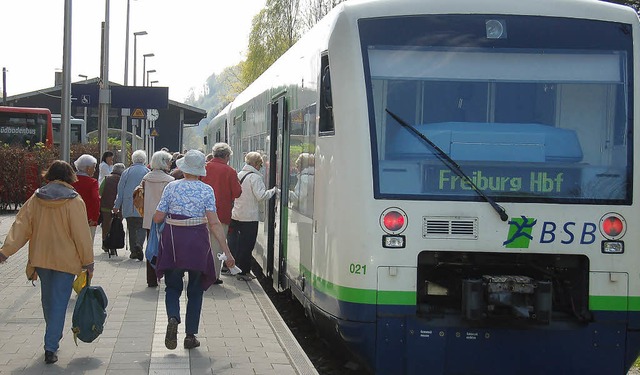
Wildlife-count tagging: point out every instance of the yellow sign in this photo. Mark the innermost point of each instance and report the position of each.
(138, 113)
(154, 133)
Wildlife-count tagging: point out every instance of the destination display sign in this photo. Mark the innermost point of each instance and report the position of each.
(17, 130)
(521, 181)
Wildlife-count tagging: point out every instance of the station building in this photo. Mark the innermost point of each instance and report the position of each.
(168, 128)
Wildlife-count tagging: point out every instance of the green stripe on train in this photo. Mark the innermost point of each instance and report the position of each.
(404, 298)
(614, 303)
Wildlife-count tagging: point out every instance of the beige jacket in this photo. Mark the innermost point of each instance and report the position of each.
(54, 222)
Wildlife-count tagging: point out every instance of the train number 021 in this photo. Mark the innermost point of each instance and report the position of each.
(358, 269)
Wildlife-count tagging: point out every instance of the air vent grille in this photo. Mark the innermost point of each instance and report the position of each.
(450, 227)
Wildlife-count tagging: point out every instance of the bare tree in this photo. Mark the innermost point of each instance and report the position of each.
(314, 10)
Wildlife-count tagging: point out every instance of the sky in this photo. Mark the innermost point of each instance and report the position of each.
(190, 40)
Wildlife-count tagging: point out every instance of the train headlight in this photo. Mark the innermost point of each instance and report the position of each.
(393, 220)
(612, 247)
(613, 226)
(393, 242)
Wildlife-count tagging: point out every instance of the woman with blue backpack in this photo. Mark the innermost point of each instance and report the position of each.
(54, 222)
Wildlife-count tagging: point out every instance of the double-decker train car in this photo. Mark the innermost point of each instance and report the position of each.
(457, 183)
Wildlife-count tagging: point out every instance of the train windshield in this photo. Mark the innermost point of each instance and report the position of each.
(531, 108)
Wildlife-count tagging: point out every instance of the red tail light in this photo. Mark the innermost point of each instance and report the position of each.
(612, 226)
(393, 221)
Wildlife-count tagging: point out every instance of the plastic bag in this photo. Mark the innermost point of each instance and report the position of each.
(80, 282)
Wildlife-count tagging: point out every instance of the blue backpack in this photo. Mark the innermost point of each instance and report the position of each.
(89, 314)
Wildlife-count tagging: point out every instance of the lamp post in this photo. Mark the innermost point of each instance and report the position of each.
(149, 72)
(144, 64)
(83, 129)
(152, 82)
(134, 123)
(135, 55)
(65, 105)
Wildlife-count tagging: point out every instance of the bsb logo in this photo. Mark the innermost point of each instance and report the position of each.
(523, 229)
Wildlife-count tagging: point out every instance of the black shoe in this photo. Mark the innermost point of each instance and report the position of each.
(225, 271)
(191, 342)
(217, 282)
(51, 357)
(171, 337)
(113, 252)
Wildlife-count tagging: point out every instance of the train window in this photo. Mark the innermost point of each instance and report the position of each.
(544, 108)
(326, 125)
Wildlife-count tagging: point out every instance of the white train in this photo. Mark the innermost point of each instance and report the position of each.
(465, 198)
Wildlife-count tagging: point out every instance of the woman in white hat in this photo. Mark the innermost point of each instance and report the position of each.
(188, 207)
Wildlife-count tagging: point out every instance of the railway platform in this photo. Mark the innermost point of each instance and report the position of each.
(240, 330)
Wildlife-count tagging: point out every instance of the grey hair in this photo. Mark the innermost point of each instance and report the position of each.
(221, 150)
(139, 156)
(252, 158)
(118, 168)
(85, 161)
(160, 160)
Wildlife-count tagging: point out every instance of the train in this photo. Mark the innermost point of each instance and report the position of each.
(457, 183)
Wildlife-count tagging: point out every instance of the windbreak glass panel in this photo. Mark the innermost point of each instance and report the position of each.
(531, 117)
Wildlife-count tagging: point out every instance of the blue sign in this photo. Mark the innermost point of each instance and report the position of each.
(85, 95)
(139, 97)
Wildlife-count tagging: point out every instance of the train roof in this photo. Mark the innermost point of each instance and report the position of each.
(353, 10)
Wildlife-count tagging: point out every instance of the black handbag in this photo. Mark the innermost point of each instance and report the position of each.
(115, 237)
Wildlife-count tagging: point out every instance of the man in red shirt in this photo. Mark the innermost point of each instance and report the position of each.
(226, 187)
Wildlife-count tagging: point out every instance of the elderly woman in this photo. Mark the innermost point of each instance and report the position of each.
(245, 214)
(108, 192)
(131, 177)
(154, 183)
(54, 223)
(189, 206)
(88, 188)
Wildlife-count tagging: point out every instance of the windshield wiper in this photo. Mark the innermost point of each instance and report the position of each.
(452, 165)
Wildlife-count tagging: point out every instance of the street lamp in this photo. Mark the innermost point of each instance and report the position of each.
(135, 55)
(152, 82)
(83, 130)
(144, 64)
(148, 72)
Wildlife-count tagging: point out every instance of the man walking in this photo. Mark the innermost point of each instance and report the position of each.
(226, 187)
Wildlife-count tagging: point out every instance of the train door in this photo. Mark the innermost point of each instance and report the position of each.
(278, 172)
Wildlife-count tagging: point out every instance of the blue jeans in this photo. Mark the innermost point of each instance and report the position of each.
(173, 281)
(55, 287)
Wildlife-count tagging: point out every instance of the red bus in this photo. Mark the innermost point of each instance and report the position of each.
(25, 126)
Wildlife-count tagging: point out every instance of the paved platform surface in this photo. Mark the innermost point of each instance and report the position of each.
(240, 330)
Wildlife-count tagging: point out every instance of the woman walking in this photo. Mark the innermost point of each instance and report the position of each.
(130, 179)
(108, 192)
(54, 222)
(88, 188)
(189, 207)
(106, 166)
(154, 183)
